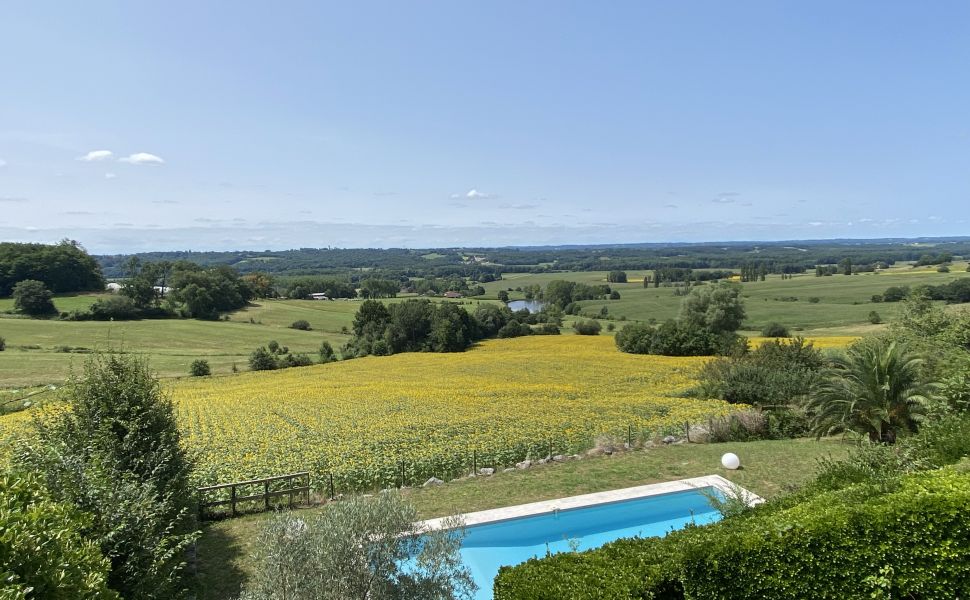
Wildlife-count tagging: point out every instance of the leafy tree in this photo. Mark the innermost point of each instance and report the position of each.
(503, 296)
(874, 317)
(31, 297)
(262, 359)
(358, 548)
(514, 329)
(378, 288)
(115, 453)
(877, 389)
(327, 355)
(614, 295)
(452, 329)
(301, 324)
(200, 368)
(43, 548)
(716, 308)
(846, 265)
(492, 318)
(616, 277)
(3, 344)
(204, 293)
(262, 284)
(635, 338)
(62, 267)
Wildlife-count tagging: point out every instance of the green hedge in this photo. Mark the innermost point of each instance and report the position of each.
(913, 541)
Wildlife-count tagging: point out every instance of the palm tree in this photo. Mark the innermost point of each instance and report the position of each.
(876, 389)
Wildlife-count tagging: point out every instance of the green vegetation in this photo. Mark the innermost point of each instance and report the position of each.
(32, 298)
(770, 468)
(43, 550)
(115, 454)
(359, 548)
(62, 268)
(909, 542)
(200, 368)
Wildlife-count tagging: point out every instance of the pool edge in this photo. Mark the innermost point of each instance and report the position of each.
(519, 511)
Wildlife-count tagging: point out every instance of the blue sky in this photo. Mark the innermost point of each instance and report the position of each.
(230, 125)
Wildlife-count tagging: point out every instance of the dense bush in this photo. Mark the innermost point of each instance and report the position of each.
(327, 355)
(775, 330)
(200, 368)
(514, 329)
(3, 344)
(43, 550)
(301, 324)
(587, 327)
(117, 308)
(31, 297)
(262, 359)
(858, 542)
(774, 374)
(115, 453)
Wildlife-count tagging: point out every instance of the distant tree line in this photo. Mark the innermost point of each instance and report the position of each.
(954, 292)
(62, 268)
(487, 264)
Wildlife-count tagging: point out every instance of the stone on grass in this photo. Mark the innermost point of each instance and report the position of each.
(433, 481)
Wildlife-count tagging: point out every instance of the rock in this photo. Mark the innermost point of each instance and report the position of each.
(433, 481)
(542, 461)
(508, 469)
(525, 464)
(595, 452)
(486, 471)
(559, 458)
(669, 439)
(576, 457)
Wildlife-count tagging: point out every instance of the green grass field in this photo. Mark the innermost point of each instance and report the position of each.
(769, 469)
(32, 355)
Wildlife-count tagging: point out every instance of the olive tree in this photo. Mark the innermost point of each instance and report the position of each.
(365, 548)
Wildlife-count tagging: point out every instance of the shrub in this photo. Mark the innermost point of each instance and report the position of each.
(200, 368)
(118, 308)
(775, 330)
(876, 298)
(43, 549)
(587, 327)
(295, 360)
(302, 325)
(262, 360)
(814, 300)
(614, 295)
(274, 347)
(514, 329)
(943, 269)
(546, 329)
(327, 355)
(635, 338)
(874, 317)
(3, 344)
(827, 546)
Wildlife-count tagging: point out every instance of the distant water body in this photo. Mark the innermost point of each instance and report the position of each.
(533, 306)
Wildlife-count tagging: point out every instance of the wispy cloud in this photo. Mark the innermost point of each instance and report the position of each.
(3, 163)
(143, 158)
(165, 202)
(474, 194)
(518, 206)
(726, 197)
(110, 176)
(12, 200)
(96, 155)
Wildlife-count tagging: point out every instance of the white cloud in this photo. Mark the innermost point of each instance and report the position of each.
(109, 175)
(476, 195)
(96, 155)
(3, 163)
(143, 158)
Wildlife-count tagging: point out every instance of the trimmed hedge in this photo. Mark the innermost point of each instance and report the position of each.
(913, 541)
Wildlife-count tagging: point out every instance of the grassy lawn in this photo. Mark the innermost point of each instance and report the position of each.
(768, 469)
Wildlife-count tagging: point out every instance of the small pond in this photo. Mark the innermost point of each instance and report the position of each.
(533, 306)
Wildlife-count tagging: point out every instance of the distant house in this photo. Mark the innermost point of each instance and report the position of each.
(452, 295)
(319, 296)
(113, 287)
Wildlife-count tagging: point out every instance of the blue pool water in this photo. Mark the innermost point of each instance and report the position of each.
(489, 546)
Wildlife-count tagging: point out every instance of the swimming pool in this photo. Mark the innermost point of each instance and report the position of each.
(509, 536)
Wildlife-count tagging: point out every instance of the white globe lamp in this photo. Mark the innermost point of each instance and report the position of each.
(730, 461)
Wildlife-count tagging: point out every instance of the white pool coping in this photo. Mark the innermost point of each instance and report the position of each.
(585, 500)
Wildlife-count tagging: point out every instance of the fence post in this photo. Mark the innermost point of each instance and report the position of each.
(332, 496)
(629, 436)
(266, 494)
(687, 430)
(474, 462)
(232, 499)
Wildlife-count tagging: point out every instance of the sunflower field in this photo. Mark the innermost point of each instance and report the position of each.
(379, 421)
